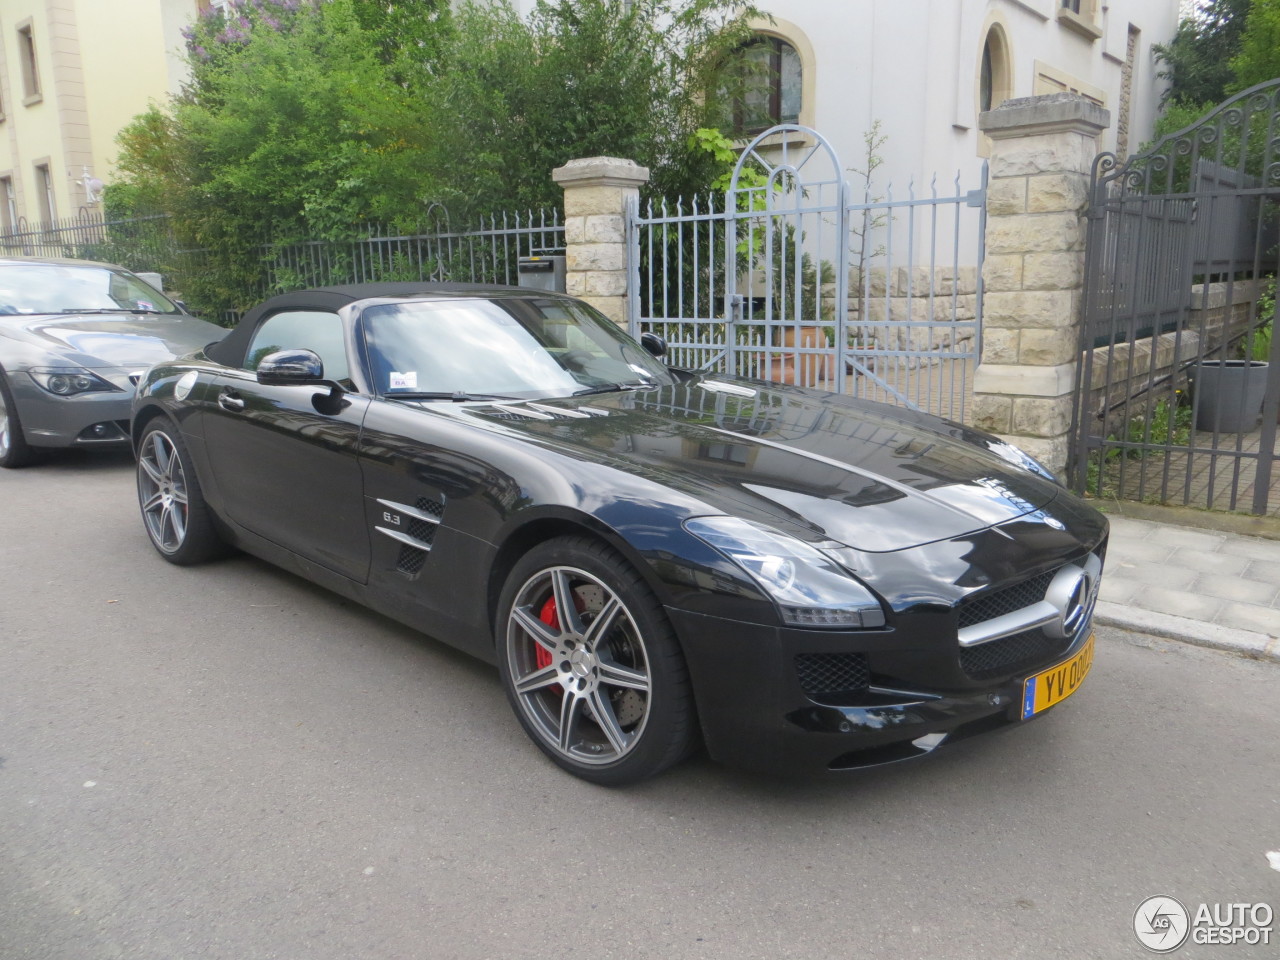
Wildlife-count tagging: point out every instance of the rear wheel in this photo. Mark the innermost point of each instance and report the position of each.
(14, 449)
(591, 665)
(173, 509)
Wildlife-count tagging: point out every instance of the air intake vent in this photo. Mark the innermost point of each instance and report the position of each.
(540, 411)
(417, 534)
(1011, 654)
(832, 676)
(413, 559)
(433, 507)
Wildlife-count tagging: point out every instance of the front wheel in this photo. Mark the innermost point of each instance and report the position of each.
(173, 509)
(591, 665)
(14, 449)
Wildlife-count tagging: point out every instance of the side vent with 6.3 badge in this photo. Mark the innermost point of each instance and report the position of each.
(414, 527)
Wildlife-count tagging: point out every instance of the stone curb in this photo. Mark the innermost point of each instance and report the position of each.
(1257, 646)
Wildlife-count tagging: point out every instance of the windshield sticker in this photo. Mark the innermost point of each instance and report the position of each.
(145, 305)
(404, 381)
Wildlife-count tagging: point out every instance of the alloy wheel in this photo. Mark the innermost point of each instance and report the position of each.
(4, 428)
(162, 489)
(578, 665)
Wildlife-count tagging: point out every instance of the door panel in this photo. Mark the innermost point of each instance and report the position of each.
(286, 465)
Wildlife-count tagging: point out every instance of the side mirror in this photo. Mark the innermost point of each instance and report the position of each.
(654, 344)
(291, 367)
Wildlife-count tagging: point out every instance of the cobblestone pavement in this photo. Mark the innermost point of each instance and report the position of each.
(1212, 587)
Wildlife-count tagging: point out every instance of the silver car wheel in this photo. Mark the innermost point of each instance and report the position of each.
(578, 665)
(4, 428)
(162, 491)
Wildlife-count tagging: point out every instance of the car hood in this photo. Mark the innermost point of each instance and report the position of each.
(120, 340)
(867, 475)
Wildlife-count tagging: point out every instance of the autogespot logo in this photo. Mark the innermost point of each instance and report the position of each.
(1161, 924)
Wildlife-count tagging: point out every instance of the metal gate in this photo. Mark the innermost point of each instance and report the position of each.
(1178, 382)
(795, 277)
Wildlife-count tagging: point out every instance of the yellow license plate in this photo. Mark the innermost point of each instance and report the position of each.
(1057, 683)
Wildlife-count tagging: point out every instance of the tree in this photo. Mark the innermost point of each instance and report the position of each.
(292, 126)
(579, 78)
(1258, 58)
(1198, 58)
(310, 119)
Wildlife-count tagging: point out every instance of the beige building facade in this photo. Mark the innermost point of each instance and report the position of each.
(73, 73)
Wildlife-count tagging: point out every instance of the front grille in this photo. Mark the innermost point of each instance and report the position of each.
(1010, 654)
(988, 606)
(825, 675)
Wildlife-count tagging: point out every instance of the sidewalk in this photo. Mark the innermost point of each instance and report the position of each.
(1203, 578)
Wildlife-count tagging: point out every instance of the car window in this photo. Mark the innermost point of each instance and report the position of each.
(76, 288)
(510, 347)
(315, 330)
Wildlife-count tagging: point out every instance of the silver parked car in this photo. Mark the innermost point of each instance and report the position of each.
(75, 337)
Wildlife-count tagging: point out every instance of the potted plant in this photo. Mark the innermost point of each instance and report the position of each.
(1229, 393)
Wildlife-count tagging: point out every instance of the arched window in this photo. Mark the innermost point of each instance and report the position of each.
(763, 85)
(994, 86)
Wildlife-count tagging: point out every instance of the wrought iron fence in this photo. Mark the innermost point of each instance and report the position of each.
(138, 243)
(486, 253)
(1181, 253)
(789, 277)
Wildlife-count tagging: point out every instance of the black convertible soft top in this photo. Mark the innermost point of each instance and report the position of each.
(230, 351)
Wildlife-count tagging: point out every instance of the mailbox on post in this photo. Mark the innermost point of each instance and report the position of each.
(542, 273)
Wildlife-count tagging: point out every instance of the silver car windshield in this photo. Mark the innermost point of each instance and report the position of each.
(517, 348)
(30, 288)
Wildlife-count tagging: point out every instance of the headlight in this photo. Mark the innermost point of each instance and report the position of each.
(809, 588)
(68, 381)
(1007, 451)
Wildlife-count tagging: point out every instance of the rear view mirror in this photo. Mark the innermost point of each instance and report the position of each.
(654, 344)
(291, 367)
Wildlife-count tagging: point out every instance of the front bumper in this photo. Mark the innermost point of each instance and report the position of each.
(755, 714)
(86, 419)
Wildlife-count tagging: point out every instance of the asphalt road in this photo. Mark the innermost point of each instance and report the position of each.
(226, 762)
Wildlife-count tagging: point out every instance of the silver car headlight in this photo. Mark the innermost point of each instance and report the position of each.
(68, 381)
(809, 589)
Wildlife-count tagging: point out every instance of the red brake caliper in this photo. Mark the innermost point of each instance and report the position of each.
(549, 616)
(542, 656)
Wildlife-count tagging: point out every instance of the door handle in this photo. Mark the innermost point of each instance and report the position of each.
(230, 402)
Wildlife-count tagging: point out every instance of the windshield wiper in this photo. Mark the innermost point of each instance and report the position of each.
(617, 387)
(457, 396)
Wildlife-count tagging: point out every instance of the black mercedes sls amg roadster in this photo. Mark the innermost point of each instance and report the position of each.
(654, 558)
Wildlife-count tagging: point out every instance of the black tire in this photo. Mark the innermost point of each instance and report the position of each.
(174, 513)
(632, 713)
(14, 449)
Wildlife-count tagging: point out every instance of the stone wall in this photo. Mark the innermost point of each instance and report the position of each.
(920, 295)
(1042, 151)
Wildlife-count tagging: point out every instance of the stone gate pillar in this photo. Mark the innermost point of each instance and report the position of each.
(596, 193)
(1042, 149)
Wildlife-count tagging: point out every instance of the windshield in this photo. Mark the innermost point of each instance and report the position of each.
(514, 348)
(75, 288)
